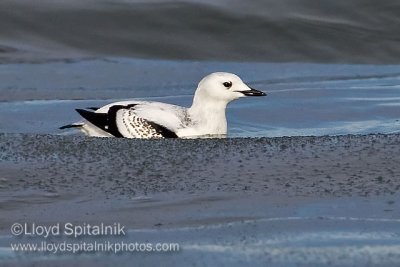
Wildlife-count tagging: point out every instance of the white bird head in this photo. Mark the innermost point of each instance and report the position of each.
(224, 87)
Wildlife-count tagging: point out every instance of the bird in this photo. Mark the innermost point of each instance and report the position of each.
(146, 119)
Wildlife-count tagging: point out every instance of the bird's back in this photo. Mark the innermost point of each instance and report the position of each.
(135, 119)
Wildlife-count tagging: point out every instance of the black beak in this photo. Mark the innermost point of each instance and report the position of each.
(253, 92)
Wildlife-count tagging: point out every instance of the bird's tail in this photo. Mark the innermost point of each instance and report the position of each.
(77, 124)
(73, 125)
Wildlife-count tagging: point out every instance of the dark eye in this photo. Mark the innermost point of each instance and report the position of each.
(227, 84)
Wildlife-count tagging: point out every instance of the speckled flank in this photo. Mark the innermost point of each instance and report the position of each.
(136, 127)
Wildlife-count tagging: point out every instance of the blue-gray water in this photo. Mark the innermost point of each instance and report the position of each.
(329, 67)
(357, 31)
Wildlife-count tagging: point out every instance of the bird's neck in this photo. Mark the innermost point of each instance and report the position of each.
(209, 115)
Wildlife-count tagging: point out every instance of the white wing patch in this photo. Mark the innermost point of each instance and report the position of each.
(132, 126)
(166, 115)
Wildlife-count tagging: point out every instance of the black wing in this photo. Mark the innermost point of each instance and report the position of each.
(108, 122)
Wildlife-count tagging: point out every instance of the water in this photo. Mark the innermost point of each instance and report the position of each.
(315, 235)
(329, 68)
(358, 31)
(303, 99)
